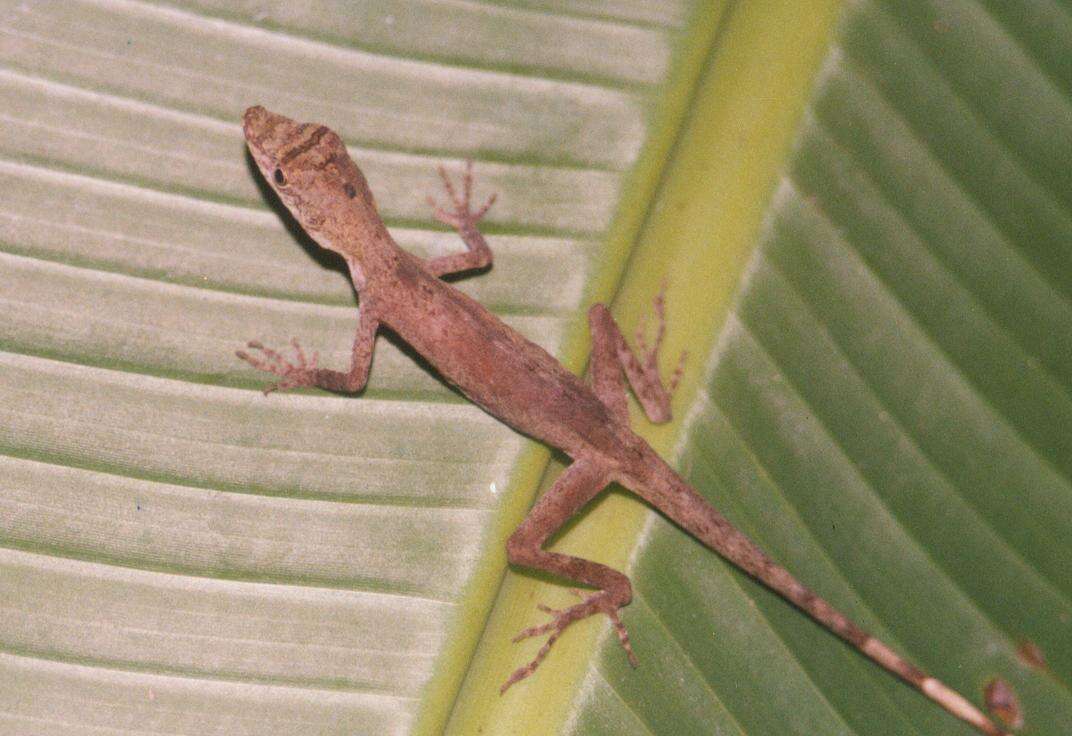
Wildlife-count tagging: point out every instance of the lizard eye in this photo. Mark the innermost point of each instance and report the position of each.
(280, 177)
(350, 191)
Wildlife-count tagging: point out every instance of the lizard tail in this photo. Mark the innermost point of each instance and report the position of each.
(687, 508)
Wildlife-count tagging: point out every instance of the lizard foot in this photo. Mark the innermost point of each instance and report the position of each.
(601, 602)
(301, 372)
(461, 218)
(649, 356)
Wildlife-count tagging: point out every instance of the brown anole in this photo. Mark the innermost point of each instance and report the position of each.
(521, 384)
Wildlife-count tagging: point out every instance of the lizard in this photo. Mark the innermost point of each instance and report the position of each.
(518, 382)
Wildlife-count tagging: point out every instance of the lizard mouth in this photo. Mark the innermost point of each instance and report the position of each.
(259, 125)
(267, 134)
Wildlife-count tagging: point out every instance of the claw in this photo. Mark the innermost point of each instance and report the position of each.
(639, 338)
(486, 206)
(561, 618)
(302, 372)
(463, 216)
(467, 181)
(675, 378)
(660, 318)
(449, 186)
(273, 357)
(302, 363)
(648, 355)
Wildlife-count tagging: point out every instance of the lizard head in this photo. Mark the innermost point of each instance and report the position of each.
(308, 167)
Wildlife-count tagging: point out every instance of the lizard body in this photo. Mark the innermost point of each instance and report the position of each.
(520, 383)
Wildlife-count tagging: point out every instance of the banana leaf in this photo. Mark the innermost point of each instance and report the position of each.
(861, 216)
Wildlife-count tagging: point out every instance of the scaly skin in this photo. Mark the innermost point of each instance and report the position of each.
(521, 384)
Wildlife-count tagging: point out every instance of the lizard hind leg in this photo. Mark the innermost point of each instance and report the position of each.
(612, 356)
(578, 484)
(561, 618)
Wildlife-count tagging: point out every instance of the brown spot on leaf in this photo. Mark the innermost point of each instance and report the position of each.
(1003, 704)
(1031, 655)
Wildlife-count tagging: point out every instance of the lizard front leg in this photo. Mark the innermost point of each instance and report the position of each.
(303, 371)
(464, 221)
(578, 484)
